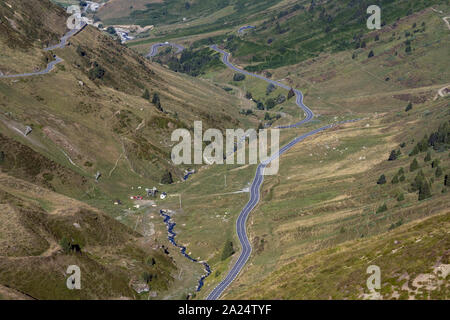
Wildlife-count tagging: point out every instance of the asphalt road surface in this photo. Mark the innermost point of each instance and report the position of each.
(299, 96)
(52, 64)
(154, 48)
(242, 29)
(259, 177)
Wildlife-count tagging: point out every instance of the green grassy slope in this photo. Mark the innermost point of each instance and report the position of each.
(326, 192)
(287, 32)
(325, 196)
(107, 105)
(37, 225)
(413, 260)
(173, 11)
(304, 31)
(89, 115)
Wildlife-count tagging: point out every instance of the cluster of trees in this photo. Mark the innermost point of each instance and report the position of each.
(81, 52)
(439, 140)
(238, 77)
(280, 30)
(343, 20)
(280, 99)
(399, 177)
(246, 112)
(228, 250)
(420, 147)
(291, 93)
(68, 246)
(155, 99)
(396, 225)
(146, 94)
(96, 72)
(268, 117)
(408, 48)
(271, 102)
(434, 165)
(193, 63)
(422, 185)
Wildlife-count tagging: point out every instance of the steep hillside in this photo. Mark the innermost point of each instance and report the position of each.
(284, 32)
(310, 28)
(374, 191)
(97, 113)
(153, 12)
(330, 188)
(102, 109)
(333, 191)
(414, 264)
(24, 32)
(43, 232)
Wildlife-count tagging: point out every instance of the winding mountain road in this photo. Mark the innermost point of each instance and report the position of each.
(299, 96)
(154, 48)
(255, 194)
(51, 65)
(259, 177)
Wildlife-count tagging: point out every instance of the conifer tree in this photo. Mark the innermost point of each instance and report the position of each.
(408, 107)
(414, 165)
(228, 250)
(425, 191)
(393, 156)
(395, 179)
(382, 179)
